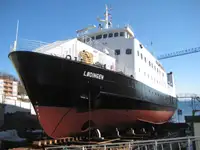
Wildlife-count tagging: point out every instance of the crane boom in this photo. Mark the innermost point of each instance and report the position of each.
(179, 53)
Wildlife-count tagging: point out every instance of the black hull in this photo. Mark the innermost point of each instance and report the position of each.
(50, 77)
(51, 81)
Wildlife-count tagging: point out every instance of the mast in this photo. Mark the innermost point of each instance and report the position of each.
(16, 37)
(106, 21)
(106, 18)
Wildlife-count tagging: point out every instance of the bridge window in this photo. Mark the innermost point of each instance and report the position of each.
(121, 33)
(117, 52)
(128, 51)
(110, 35)
(98, 37)
(116, 34)
(105, 36)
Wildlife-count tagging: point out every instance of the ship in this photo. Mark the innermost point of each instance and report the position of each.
(103, 77)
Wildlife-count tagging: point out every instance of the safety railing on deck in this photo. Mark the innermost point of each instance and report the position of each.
(181, 143)
(27, 45)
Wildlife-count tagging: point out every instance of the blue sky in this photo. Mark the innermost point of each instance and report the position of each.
(170, 25)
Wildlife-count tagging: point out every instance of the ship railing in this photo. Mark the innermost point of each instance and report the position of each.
(40, 46)
(159, 144)
(27, 45)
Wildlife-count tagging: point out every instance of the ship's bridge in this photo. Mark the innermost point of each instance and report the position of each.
(109, 33)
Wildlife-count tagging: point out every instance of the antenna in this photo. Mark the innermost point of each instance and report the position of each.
(106, 21)
(106, 18)
(16, 37)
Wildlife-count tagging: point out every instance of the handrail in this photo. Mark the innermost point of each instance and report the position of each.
(179, 140)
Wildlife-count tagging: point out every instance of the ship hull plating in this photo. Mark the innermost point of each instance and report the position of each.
(66, 94)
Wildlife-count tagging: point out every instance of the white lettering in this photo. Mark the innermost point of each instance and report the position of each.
(93, 75)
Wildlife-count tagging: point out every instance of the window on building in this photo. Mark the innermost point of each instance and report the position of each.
(163, 74)
(128, 51)
(145, 59)
(117, 52)
(155, 68)
(88, 39)
(93, 38)
(138, 53)
(141, 56)
(144, 73)
(110, 35)
(121, 33)
(98, 37)
(141, 46)
(105, 36)
(116, 34)
(149, 63)
(139, 69)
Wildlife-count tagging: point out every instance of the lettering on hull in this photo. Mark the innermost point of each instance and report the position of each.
(93, 75)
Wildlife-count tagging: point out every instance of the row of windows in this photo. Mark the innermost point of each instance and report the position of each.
(128, 51)
(109, 35)
(150, 63)
(154, 79)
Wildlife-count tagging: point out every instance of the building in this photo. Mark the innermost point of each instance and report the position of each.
(8, 86)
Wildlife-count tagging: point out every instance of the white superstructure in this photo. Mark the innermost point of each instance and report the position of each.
(119, 50)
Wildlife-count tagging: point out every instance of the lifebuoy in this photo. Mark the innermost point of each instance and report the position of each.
(68, 57)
